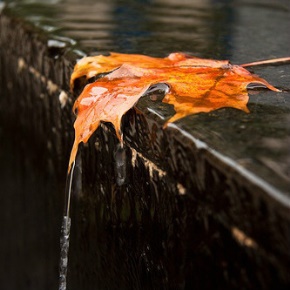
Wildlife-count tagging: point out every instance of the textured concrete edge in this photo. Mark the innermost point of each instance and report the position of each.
(273, 193)
(52, 64)
(246, 205)
(26, 55)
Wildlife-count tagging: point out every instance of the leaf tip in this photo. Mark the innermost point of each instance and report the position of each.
(73, 155)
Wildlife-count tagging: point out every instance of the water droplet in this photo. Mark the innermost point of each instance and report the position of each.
(157, 91)
(255, 86)
(120, 165)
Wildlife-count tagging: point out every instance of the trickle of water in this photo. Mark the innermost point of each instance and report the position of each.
(65, 232)
(64, 247)
(120, 165)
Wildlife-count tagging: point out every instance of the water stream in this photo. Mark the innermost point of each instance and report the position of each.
(65, 232)
(120, 172)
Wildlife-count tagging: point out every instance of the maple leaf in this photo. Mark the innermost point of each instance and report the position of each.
(195, 85)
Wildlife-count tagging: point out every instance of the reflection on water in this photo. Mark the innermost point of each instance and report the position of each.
(213, 29)
(149, 27)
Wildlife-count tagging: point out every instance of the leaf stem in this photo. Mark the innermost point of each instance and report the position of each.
(268, 61)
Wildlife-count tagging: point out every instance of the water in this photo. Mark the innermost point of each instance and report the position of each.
(120, 174)
(120, 164)
(65, 232)
(64, 245)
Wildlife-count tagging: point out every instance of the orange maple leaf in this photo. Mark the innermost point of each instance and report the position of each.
(195, 85)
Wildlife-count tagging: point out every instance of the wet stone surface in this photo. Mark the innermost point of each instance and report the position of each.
(203, 203)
